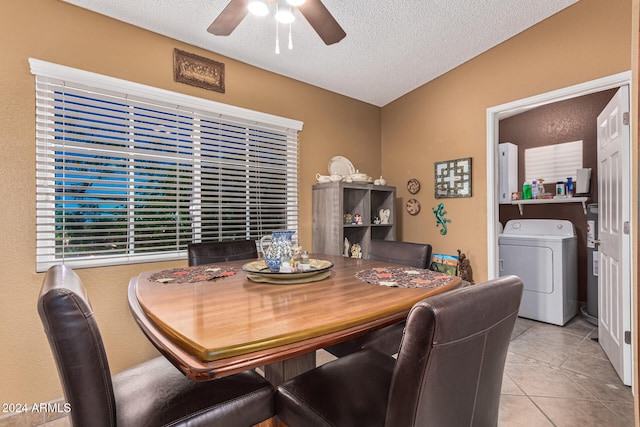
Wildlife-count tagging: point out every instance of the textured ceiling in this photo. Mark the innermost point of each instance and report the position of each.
(391, 48)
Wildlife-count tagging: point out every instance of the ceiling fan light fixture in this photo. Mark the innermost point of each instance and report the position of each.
(258, 8)
(314, 11)
(284, 16)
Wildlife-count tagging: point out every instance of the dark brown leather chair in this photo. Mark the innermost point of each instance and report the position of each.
(416, 255)
(210, 252)
(387, 339)
(448, 371)
(153, 393)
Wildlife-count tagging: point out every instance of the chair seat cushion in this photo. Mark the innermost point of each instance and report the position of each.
(319, 397)
(155, 393)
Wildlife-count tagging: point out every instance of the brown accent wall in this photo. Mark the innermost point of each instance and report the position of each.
(58, 32)
(446, 118)
(566, 121)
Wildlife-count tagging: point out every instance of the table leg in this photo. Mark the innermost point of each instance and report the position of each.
(279, 372)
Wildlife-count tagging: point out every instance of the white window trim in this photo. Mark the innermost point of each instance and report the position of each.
(62, 72)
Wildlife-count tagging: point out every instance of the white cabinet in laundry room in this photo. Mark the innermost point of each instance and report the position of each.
(508, 171)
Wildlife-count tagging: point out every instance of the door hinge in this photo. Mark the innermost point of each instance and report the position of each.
(627, 337)
(625, 118)
(625, 227)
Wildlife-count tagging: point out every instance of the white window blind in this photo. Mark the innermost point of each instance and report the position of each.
(553, 163)
(128, 173)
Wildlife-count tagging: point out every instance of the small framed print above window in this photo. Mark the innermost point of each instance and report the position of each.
(198, 71)
(453, 178)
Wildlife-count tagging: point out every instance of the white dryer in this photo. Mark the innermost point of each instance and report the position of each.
(543, 252)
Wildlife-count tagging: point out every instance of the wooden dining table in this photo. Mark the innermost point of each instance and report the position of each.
(214, 328)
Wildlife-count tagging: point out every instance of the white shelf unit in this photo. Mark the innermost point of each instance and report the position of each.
(582, 200)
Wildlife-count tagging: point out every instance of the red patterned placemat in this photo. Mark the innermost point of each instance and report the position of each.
(403, 277)
(198, 273)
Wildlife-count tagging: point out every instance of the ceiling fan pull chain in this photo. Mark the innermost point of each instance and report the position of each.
(290, 39)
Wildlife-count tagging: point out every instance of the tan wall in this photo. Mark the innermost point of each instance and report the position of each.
(55, 31)
(446, 118)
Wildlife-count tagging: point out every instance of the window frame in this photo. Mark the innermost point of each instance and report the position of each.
(46, 254)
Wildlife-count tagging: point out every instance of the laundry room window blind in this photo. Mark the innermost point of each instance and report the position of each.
(128, 173)
(553, 163)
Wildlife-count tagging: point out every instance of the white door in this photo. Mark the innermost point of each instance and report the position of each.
(614, 279)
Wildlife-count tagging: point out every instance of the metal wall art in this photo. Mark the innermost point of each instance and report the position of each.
(198, 71)
(441, 221)
(453, 178)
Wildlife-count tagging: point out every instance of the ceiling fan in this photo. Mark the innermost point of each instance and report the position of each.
(313, 10)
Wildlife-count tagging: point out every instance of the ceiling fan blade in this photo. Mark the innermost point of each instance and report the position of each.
(322, 21)
(229, 18)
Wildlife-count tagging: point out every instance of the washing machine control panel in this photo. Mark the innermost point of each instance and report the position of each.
(540, 227)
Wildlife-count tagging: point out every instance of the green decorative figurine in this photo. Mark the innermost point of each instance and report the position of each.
(440, 219)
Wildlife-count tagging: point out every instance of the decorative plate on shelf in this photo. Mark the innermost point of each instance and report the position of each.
(413, 207)
(413, 186)
(339, 165)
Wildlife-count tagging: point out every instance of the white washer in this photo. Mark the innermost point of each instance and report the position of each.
(543, 252)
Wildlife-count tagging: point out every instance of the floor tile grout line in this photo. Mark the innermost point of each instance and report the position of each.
(541, 411)
(604, 403)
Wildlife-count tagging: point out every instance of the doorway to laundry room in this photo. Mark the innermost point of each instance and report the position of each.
(564, 117)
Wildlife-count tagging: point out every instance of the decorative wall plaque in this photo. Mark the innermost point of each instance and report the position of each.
(413, 186)
(413, 207)
(198, 71)
(453, 178)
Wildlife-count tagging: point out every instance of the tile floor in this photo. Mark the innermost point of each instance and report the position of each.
(554, 376)
(559, 376)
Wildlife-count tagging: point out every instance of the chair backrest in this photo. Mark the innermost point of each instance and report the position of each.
(210, 252)
(416, 255)
(451, 360)
(77, 348)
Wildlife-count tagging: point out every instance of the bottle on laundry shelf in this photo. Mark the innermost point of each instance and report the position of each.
(541, 192)
(560, 189)
(526, 191)
(534, 189)
(570, 187)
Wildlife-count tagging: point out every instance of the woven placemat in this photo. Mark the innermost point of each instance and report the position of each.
(198, 273)
(403, 277)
